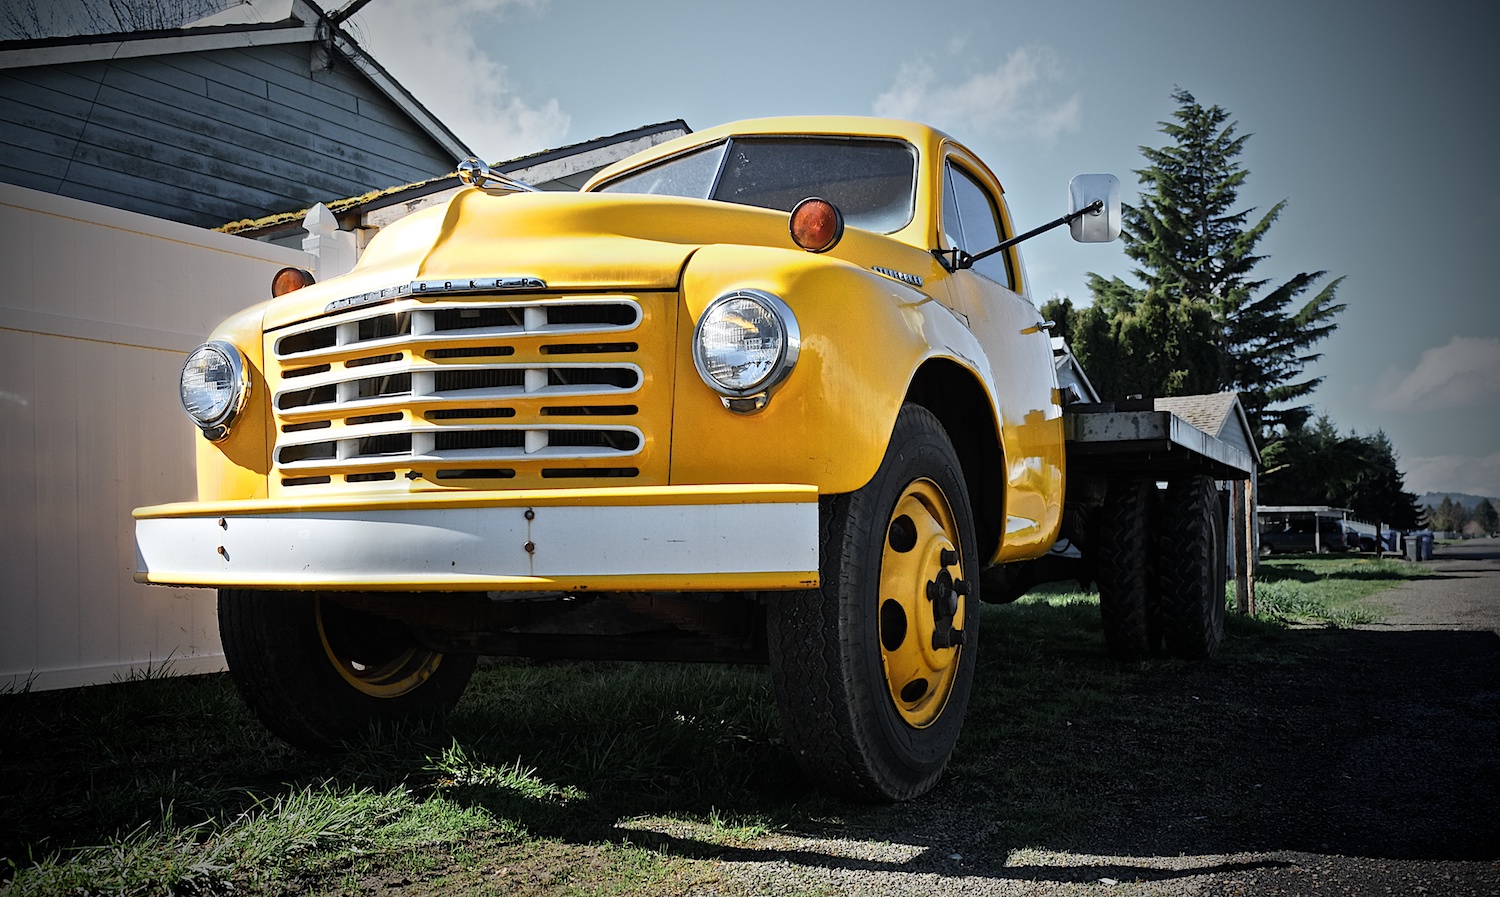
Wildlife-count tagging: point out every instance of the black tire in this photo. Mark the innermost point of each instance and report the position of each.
(1124, 566)
(320, 675)
(1193, 568)
(847, 659)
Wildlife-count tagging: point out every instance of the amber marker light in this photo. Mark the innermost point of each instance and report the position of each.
(817, 224)
(289, 280)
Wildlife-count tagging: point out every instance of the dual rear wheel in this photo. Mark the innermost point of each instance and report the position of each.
(1160, 561)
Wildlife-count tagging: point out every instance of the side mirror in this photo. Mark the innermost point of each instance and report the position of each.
(1103, 224)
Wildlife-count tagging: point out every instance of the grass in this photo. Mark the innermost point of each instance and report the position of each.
(1328, 589)
(599, 778)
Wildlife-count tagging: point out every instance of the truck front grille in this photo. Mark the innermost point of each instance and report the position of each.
(472, 393)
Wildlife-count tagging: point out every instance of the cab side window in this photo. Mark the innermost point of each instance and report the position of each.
(971, 223)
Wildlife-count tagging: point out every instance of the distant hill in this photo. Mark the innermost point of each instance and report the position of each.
(1462, 498)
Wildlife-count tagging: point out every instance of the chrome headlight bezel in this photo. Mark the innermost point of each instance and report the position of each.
(774, 367)
(214, 413)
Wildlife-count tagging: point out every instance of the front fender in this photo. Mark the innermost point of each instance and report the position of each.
(863, 338)
(237, 466)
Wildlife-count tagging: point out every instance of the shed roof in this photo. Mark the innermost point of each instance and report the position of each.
(1218, 414)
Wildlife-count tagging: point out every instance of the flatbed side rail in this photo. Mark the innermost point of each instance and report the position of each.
(1154, 442)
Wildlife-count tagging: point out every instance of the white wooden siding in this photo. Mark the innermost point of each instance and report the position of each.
(100, 308)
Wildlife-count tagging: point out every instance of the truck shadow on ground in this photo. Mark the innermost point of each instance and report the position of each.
(1334, 742)
(1318, 741)
(1356, 743)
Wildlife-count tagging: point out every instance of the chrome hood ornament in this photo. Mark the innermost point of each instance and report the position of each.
(474, 173)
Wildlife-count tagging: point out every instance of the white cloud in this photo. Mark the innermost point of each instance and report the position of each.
(432, 48)
(1471, 474)
(1464, 373)
(1012, 100)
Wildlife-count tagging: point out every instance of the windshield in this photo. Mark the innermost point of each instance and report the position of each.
(871, 181)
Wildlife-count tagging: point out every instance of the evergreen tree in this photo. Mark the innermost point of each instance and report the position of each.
(1214, 325)
(1451, 516)
(1308, 466)
(1376, 490)
(1443, 517)
(1316, 465)
(1486, 516)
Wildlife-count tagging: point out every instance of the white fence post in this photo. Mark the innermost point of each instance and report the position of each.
(334, 249)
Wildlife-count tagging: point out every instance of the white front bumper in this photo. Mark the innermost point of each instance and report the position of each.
(661, 538)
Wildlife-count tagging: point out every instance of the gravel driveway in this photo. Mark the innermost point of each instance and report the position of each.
(1381, 765)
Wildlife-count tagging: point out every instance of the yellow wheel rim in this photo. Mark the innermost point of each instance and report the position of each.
(922, 603)
(370, 653)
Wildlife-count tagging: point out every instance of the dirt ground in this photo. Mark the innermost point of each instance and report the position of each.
(1381, 775)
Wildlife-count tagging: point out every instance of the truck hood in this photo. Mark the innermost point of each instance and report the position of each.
(569, 241)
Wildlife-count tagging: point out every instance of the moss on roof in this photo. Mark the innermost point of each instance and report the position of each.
(334, 205)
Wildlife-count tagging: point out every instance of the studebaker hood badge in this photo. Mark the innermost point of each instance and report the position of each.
(448, 287)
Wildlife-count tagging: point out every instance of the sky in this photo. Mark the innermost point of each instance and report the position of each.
(1375, 121)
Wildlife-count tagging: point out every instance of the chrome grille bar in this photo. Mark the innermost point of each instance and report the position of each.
(460, 390)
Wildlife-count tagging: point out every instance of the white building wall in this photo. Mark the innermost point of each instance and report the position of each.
(98, 311)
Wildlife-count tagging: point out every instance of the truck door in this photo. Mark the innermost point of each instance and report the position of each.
(1019, 360)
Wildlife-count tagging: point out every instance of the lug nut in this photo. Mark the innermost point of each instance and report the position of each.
(950, 639)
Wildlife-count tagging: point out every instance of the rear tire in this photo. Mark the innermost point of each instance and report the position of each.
(319, 674)
(1123, 568)
(873, 670)
(1193, 568)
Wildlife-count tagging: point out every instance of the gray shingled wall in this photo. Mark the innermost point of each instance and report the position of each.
(209, 137)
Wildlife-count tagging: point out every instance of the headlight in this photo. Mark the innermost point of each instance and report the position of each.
(214, 387)
(745, 344)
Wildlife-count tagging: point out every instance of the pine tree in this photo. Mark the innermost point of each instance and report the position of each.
(1316, 465)
(1218, 326)
(1443, 519)
(1375, 489)
(1309, 466)
(1486, 516)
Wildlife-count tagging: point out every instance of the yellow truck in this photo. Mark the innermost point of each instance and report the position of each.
(773, 392)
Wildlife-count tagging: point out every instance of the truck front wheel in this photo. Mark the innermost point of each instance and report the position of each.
(320, 674)
(873, 670)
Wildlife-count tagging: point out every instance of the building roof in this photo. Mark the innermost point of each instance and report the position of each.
(562, 168)
(298, 21)
(1218, 414)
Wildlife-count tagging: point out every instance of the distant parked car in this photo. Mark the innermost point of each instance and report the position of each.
(1296, 535)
